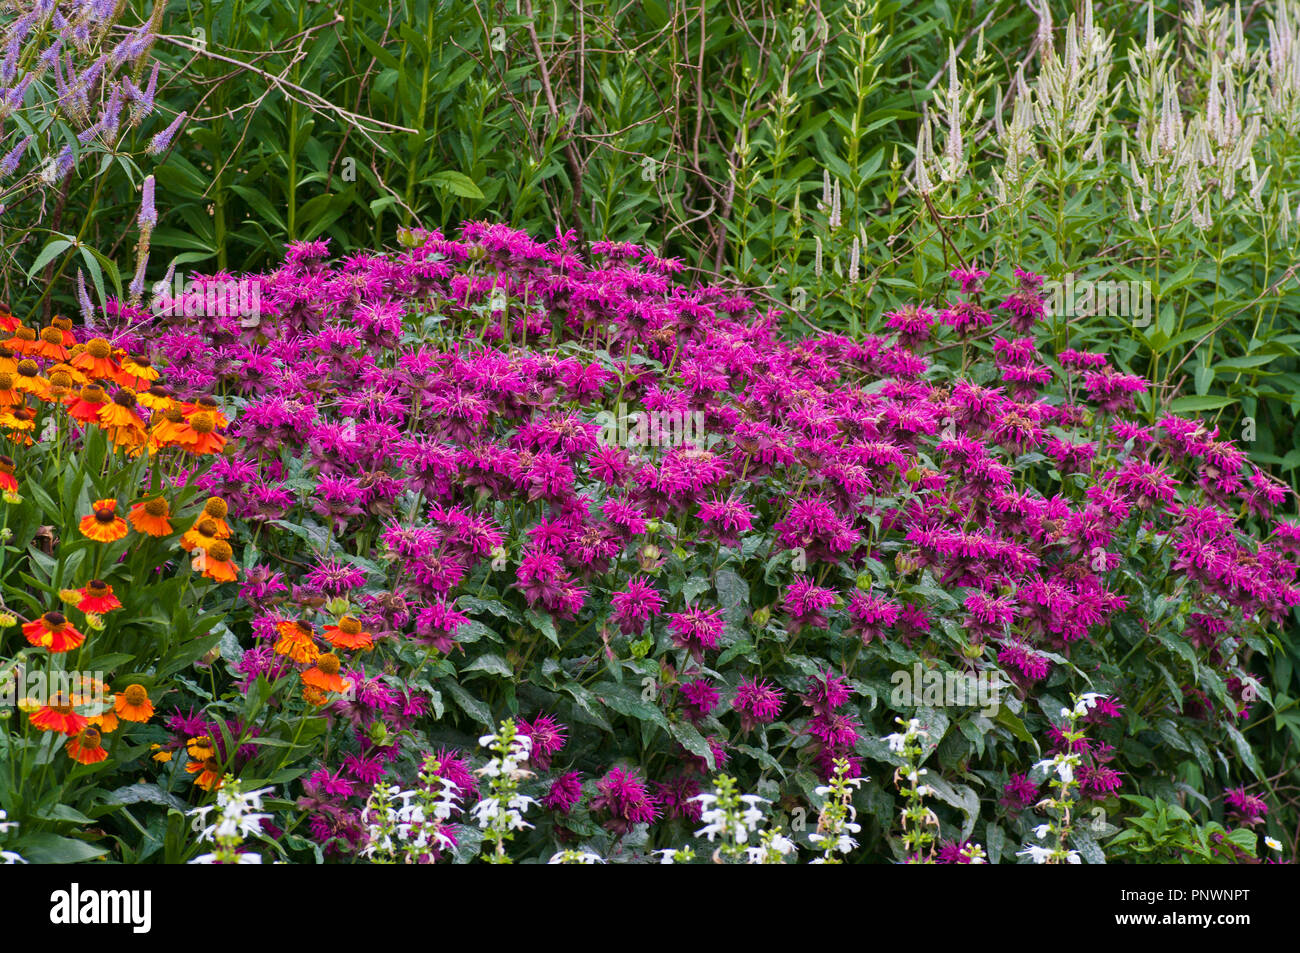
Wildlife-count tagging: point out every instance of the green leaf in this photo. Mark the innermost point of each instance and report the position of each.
(53, 248)
(147, 794)
(692, 741)
(469, 704)
(733, 596)
(42, 847)
(626, 700)
(491, 663)
(1192, 405)
(543, 622)
(1013, 724)
(457, 183)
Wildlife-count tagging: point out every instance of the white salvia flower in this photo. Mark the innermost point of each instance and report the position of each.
(579, 857)
(1041, 830)
(752, 817)
(785, 845)
(485, 811)
(1072, 857)
(715, 822)
(9, 857)
(841, 843)
(895, 741)
(1087, 701)
(1037, 854)
(238, 816)
(6, 826)
(239, 859)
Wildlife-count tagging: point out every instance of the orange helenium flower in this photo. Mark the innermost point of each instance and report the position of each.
(198, 434)
(8, 482)
(64, 326)
(348, 634)
(296, 641)
(216, 563)
(137, 372)
(167, 428)
(85, 747)
(22, 340)
(325, 675)
(59, 715)
(107, 722)
(54, 632)
(85, 406)
(157, 397)
(134, 704)
(216, 509)
(27, 378)
(204, 762)
(201, 536)
(96, 360)
(207, 405)
(208, 771)
(120, 421)
(97, 597)
(21, 421)
(63, 382)
(201, 748)
(104, 525)
(9, 396)
(75, 375)
(49, 345)
(150, 517)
